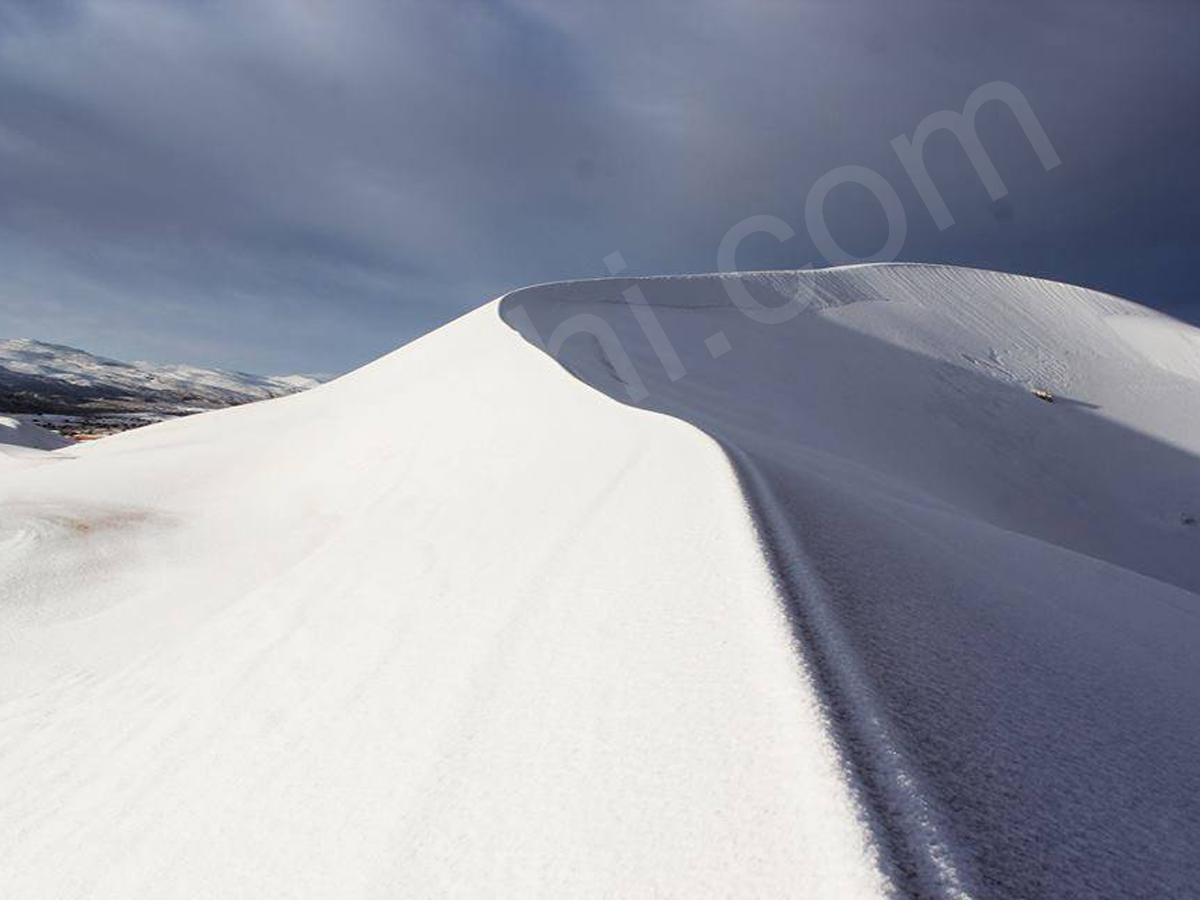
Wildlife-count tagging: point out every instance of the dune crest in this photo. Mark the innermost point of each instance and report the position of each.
(996, 595)
(452, 625)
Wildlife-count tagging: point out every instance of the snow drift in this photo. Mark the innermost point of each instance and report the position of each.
(459, 624)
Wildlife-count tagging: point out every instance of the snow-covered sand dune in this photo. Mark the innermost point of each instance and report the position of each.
(458, 624)
(21, 439)
(18, 431)
(995, 595)
(455, 625)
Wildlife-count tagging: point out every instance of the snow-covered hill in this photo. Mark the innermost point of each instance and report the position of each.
(859, 614)
(995, 595)
(50, 378)
(21, 439)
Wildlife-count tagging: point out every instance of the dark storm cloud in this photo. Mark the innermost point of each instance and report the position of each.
(289, 184)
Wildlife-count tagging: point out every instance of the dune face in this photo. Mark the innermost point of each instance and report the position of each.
(454, 625)
(996, 596)
(832, 607)
(18, 434)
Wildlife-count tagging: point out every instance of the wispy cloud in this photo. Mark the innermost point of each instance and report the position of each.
(270, 184)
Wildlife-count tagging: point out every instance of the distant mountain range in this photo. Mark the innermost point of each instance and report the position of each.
(52, 379)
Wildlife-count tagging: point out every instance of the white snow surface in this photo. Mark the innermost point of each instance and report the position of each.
(995, 596)
(454, 625)
(18, 431)
(845, 611)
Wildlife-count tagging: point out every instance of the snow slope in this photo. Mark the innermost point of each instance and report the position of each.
(18, 431)
(454, 625)
(459, 624)
(996, 595)
(40, 377)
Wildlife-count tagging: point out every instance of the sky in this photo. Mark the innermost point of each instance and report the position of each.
(304, 185)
